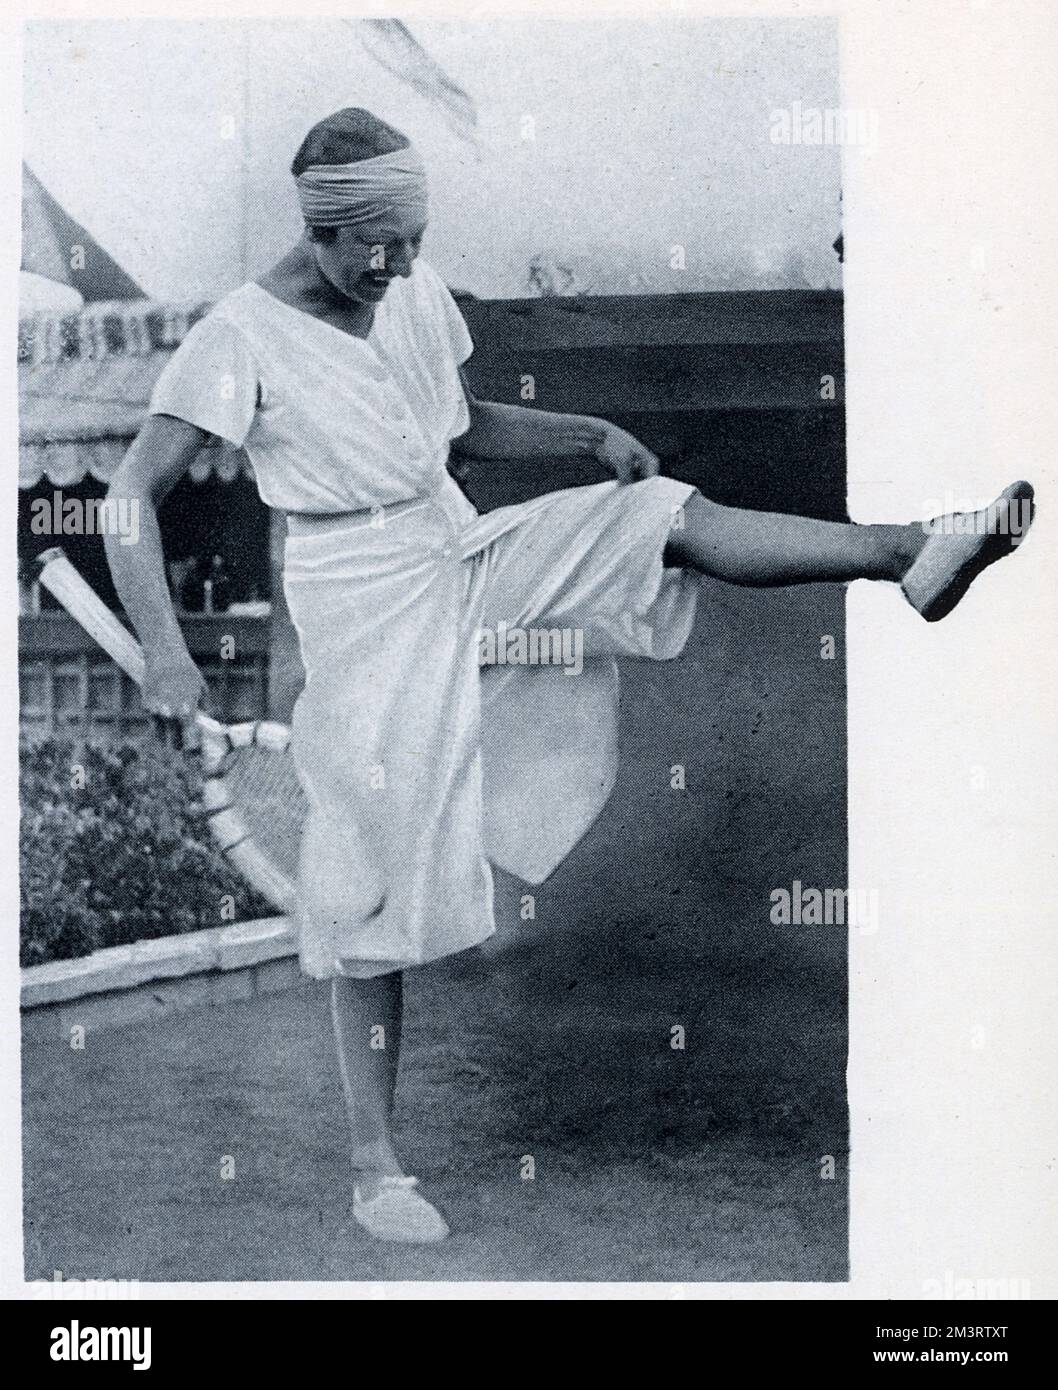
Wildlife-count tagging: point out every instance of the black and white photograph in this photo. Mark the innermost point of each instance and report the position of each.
(492, 560)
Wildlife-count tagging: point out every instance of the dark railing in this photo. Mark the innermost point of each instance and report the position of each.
(69, 688)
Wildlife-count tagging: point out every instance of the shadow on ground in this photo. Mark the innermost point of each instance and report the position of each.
(553, 1044)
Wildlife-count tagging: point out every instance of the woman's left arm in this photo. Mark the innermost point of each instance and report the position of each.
(505, 432)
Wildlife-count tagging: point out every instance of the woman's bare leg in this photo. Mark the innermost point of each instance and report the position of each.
(367, 1023)
(770, 548)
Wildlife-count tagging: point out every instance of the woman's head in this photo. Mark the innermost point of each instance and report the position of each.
(365, 224)
(346, 138)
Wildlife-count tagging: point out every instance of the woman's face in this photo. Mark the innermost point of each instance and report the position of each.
(361, 261)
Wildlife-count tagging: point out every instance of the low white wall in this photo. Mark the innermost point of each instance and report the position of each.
(127, 984)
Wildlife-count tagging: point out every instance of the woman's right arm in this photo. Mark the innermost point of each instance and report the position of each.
(161, 453)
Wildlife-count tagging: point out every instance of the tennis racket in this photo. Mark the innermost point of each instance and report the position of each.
(251, 794)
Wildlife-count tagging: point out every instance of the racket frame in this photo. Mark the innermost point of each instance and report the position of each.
(218, 741)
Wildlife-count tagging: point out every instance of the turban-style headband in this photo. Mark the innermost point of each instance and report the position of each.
(347, 195)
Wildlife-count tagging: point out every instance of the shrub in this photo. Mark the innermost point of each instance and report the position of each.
(124, 857)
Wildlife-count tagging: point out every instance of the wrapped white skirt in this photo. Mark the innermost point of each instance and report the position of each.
(421, 765)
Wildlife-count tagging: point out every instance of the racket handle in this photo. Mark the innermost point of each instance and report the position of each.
(82, 602)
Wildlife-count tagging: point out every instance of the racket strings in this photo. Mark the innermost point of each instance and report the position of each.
(265, 792)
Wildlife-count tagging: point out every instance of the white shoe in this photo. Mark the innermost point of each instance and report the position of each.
(961, 546)
(397, 1212)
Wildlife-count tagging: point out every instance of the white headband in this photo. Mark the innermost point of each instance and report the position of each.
(347, 195)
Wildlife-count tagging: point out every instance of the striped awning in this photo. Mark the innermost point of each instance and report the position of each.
(84, 383)
(105, 329)
(65, 463)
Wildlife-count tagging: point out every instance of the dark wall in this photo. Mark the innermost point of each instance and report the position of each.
(781, 460)
(741, 394)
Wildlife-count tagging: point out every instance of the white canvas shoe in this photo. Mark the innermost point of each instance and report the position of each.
(397, 1212)
(961, 545)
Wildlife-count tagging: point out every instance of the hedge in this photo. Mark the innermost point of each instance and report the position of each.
(114, 850)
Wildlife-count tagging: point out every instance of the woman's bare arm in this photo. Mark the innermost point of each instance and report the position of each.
(500, 432)
(158, 458)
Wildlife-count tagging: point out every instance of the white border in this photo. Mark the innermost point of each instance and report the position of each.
(950, 384)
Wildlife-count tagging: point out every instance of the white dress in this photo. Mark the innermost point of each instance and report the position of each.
(421, 764)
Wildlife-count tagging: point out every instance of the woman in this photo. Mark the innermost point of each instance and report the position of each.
(340, 373)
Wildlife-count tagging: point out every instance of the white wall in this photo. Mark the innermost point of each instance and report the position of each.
(171, 143)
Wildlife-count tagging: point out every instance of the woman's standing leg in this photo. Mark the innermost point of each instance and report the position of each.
(367, 1025)
(367, 1015)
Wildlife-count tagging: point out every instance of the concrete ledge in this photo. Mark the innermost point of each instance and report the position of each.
(127, 984)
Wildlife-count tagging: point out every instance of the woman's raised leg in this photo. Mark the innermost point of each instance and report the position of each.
(935, 562)
(771, 548)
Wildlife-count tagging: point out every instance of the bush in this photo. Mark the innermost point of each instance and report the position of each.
(123, 858)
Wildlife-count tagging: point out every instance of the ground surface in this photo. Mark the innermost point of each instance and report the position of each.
(650, 1162)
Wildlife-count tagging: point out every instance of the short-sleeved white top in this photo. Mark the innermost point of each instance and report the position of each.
(331, 423)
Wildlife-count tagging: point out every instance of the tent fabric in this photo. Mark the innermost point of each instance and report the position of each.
(392, 45)
(49, 238)
(39, 295)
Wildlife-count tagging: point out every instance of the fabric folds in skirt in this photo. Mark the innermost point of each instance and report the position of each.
(427, 748)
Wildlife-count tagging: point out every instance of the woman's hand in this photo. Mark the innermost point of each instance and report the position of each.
(173, 689)
(161, 453)
(623, 454)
